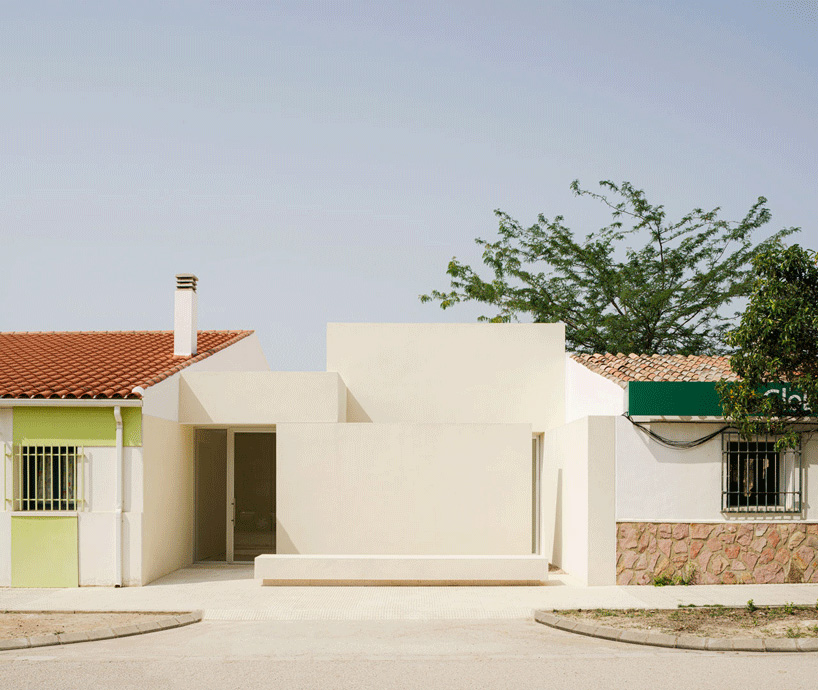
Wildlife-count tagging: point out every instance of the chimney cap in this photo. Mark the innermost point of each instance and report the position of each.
(186, 281)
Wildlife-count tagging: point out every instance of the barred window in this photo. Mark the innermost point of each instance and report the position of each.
(47, 478)
(758, 479)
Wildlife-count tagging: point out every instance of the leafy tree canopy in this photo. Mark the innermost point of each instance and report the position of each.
(776, 342)
(668, 296)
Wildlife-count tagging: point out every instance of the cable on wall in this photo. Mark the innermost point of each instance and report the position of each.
(671, 443)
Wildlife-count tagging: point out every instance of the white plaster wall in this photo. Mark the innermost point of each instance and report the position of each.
(589, 394)
(168, 497)
(132, 484)
(162, 399)
(96, 534)
(97, 525)
(6, 425)
(579, 527)
(132, 549)
(268, 397)
(451, 373)
(100, 490)
(5, 548)
(132, 479)
(459, 489)
(656, 483)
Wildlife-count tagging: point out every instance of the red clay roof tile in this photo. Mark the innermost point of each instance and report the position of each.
(623, 368)
(104, 364)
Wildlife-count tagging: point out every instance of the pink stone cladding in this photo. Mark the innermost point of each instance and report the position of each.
(716, 553)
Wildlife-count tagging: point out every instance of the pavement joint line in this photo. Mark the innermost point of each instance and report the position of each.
(658, 639)
(169, 620)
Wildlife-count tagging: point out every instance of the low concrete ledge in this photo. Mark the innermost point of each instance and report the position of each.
(166, 622)
(657, 639)
(307, 569)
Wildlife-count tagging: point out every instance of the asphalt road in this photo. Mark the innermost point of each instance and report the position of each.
(390, 655)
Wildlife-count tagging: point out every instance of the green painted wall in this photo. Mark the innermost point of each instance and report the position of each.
(84, 426)
(131, 426)
(44, 552)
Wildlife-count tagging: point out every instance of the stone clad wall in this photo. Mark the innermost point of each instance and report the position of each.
(720, 553)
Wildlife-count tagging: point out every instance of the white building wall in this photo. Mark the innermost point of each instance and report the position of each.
(6, 438)
(482, 373)
(578, 509)
(237, 398)
(162, 400)
(455, 489)
(589, 394)
(5, 548)
(168, 497)
(161, 539)
(659, 484)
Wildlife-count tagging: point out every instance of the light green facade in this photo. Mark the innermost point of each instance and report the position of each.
(44, 551)
(82, 426)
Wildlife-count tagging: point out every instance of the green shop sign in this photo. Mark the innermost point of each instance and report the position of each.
(691, 398)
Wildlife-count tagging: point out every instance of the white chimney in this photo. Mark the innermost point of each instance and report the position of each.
(184, 316)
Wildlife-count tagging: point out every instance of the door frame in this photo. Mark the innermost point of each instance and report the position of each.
(231, 482)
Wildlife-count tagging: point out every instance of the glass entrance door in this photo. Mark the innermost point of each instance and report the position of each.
(252, 505)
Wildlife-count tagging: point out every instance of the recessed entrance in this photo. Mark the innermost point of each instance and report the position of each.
(254, 497)
(235, 494)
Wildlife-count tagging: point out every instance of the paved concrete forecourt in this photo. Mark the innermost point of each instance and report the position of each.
(230, 593)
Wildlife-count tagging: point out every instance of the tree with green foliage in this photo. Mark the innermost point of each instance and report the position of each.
(776, 342)
(667, 297)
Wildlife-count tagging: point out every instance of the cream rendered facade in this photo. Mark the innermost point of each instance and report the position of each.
(417, 441)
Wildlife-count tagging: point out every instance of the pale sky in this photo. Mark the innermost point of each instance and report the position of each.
(316, 162)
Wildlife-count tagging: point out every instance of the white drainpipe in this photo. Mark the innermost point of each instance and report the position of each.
(120, 460)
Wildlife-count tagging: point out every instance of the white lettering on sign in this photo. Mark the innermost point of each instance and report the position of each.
(790, 398)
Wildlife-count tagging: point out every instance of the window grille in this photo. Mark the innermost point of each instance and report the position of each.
(47, 478)
(757, 479)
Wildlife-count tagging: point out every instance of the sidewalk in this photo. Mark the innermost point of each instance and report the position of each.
(230, 593)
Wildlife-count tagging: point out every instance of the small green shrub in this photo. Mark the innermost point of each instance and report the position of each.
(751, 607)
(789, 608)
(686, 576)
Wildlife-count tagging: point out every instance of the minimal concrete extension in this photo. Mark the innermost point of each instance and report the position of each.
(298, 569)
(230, 593)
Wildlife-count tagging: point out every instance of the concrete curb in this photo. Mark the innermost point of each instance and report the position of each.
(656, 639)
(165, 622)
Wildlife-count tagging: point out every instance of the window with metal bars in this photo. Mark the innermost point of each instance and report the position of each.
(758, 479)
(47, 478)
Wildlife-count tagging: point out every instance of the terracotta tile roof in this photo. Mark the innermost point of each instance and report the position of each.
(623, 368)
(107, 364)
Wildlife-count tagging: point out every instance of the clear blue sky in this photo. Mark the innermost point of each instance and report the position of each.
(317, 162)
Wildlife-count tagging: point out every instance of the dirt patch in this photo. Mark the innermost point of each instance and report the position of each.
(29, 624)
(709, 621)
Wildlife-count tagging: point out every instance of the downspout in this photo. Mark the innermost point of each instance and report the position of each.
(120, 460)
